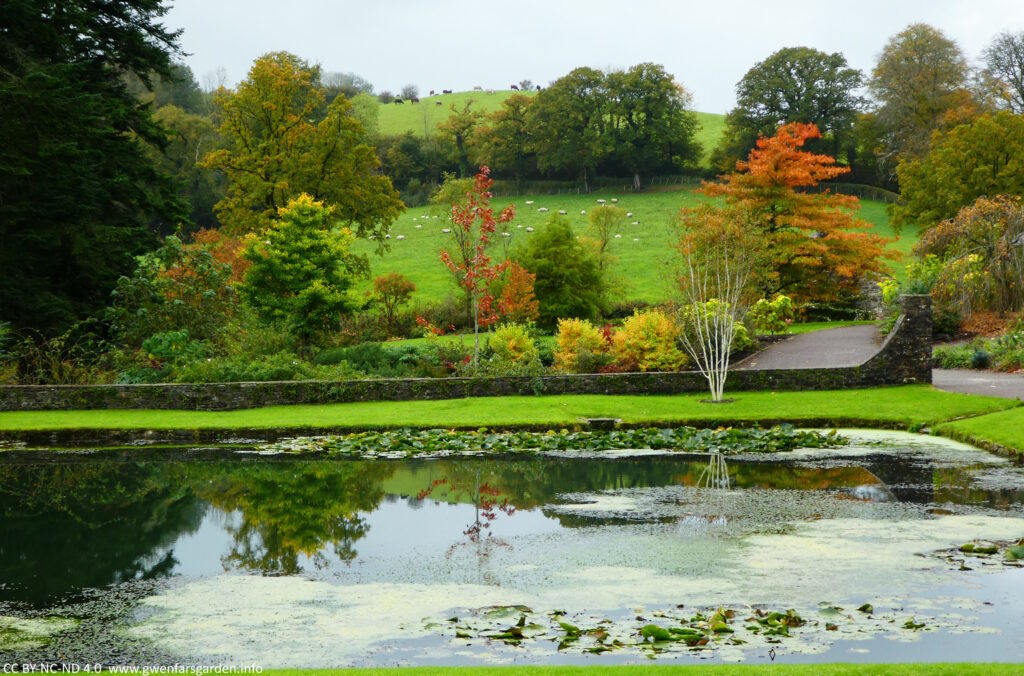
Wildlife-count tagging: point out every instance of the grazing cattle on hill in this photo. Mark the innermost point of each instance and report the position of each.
(446, 91)
(431, 92)
(398, 102)
(538, 87)
(414, 99)
(515, 88)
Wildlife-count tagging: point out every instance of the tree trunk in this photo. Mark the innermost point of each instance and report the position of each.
(636, 181)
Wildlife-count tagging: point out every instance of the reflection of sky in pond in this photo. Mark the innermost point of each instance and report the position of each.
(351, 561)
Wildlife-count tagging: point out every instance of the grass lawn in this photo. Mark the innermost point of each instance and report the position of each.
(422, 118)
(643, 265)
(943, 669)
(1005, 428)
(902, 407)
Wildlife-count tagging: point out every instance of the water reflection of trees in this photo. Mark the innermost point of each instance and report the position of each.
(66, 527)
(291, 510)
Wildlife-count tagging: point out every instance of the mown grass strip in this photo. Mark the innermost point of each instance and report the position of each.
(906, 407)
(1001, 431)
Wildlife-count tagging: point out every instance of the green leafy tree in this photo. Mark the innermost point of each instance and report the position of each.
(504, 138)
(282, 142)
(920, 85)
(302, 272)
(654, 128)
(392, 291)
(189, 138)
(605, 221)
(457, 134)
(569, 120)
(981, 158)
(173, 288)
(569, 281)
(795, 84)
(77, 188)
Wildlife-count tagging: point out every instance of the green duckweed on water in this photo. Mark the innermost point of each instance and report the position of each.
(404, 443)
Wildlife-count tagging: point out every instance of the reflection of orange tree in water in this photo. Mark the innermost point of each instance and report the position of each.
(290, 510)
(488, 503)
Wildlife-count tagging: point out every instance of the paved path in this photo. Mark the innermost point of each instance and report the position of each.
(994, 384)
(847, 346)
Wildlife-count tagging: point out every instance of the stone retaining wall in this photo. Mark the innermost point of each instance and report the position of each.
(904, 357)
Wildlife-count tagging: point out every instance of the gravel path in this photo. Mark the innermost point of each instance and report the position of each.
(967, 381)
(846, 346)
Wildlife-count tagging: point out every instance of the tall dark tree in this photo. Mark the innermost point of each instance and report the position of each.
(77, 188)
(920, 85)
(653, 126)
(569, 120)
(795, 84)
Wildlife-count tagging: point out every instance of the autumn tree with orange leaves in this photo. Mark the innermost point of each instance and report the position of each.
(474, 223)
(816, 248)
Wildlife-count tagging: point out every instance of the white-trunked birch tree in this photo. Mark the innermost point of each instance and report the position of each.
(719, 257)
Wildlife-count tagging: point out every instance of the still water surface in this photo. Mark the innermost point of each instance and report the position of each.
(383, 562)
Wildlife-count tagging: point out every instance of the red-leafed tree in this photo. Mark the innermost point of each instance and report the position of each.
(817, 248)
(517, 301)
(474, 223)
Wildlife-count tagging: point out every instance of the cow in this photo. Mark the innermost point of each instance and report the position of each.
(515, 88)
(438, 103)
(446, 91)
(398, 101)
(431, 92)
(538, 87)
(414, 99)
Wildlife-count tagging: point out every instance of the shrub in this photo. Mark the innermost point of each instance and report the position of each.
(160, 354)
(512, 343)
(569, 280)
(392, 291)
(741, 339)
(980, 359)
(647, 342)
(580, 347)
(279, 366)
(772, 316)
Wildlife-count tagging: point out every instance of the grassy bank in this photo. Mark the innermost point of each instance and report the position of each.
(905, 407)
(1003, 429)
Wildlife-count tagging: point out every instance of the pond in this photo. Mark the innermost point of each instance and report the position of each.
(845, 554)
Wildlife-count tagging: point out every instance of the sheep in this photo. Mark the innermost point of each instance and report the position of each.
(418, 226)
(529, 201)
(520, 226)
(399, 237)
(387, 236)
(446, 230)
(636, 239)
(600, 201)
(617, 236)
(583, 212)
(529, 230)
(561, 212)
(506, 234)
(490, 91)
(629, 214)
(615, 200)
(542, 210)
(636, 222)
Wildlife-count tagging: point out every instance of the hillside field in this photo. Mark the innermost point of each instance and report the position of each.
(643, 265)
(422, 118)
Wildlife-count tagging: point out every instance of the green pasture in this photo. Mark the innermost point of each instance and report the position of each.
(422, 118)
(642, 268)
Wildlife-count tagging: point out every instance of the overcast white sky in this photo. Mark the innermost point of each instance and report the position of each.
(454, 44)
